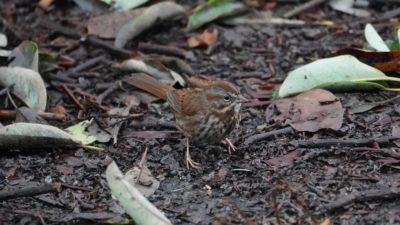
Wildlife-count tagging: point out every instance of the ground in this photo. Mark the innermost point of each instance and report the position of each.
(305, 187)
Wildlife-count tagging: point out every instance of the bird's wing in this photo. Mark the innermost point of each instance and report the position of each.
(184, 101)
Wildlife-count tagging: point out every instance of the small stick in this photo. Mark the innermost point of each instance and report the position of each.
(344, 143)
(302, 8)
(70, 186)
(162, 49)
(38, 215)
(11, 114)
(115, 86)
(30, 191)
(263, 136)
(89, 63)
(378, 150)
(109, 47)
(364, 196)
(72, 97)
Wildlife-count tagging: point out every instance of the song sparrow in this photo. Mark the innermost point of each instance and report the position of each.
(205, 113)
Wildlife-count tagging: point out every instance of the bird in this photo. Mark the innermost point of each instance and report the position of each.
(206, 111)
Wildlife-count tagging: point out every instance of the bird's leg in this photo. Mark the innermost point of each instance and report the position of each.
(189, 161)
(229, 144)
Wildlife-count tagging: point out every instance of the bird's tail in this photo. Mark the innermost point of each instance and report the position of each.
(149, 84)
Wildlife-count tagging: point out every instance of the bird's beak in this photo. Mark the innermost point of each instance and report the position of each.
(242, 99)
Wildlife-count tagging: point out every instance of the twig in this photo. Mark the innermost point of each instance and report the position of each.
(55, 27)
(30, 191)
(36, 214)
(303, 8)
(321, 143)
(109, 47)
(379, 150)
(115, 86)
(72, 97)
(263, 136)
(11, 114)
(70, 186)
(162, 49)
(143, 159)
(89, 63)
(364, 196)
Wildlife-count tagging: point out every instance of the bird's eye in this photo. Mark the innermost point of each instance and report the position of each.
(227, 98)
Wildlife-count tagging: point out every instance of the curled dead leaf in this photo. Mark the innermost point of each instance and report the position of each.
(208, 37)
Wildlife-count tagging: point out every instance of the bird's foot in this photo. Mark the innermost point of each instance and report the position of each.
(231, 147)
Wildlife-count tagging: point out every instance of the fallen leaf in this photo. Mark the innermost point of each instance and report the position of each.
(143, 180)
(340, 73)
(25, 55)
(326, 221)
(3, 40)
(107, 25)
(285, 160)
(45, 4)
(205, 39)
(26, 84)
(310, 111)
(65, 170)
(99, 133)
(213, 10)
(124, 4)
(135, 204)
(346, 6)
(148, 18)
(78, 132)
(374, 40)
(384, 61)
(32, 135)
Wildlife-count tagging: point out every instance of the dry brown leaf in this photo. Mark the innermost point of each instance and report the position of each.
(284, 160)
(208, 37)
(108, 25)
(45, 4)
(310, 111)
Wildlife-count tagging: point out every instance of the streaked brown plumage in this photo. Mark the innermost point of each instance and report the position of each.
(206, 112)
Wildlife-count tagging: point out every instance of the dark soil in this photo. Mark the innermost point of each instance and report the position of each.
(241, 188)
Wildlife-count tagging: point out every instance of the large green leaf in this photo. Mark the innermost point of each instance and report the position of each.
(212, 10)
(337, 73)
(134, 203)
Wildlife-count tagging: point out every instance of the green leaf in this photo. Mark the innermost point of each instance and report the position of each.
(25, 55)
(79, 133)
(212, 10)
(134, 203)
(343, 73)
(150, 17)
(393, 45)
(26, 84)
(35, 136)
(124, 4)
(374, 40)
